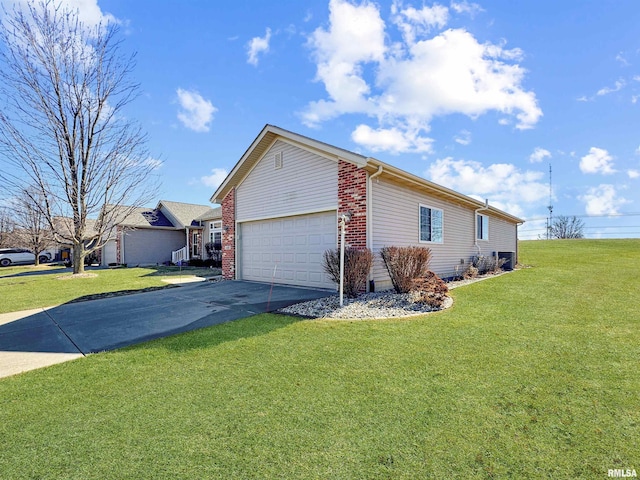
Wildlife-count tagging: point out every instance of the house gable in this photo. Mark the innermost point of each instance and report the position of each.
(264, 141)
(287, 180)
(182, 214)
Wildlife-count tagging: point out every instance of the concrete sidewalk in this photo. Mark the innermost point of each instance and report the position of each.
(42, 337)
(12, 362)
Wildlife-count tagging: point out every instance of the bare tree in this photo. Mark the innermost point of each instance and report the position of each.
(63, 125)
(6, 228)
(32, 229)
(567, 227)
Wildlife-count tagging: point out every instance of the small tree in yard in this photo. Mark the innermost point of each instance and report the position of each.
(567, 227)
(357, 265)
(64, 131)
(32, 229)
(405, 264)
(6, 229)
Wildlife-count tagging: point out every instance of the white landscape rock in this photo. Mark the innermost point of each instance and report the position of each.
(366, 306)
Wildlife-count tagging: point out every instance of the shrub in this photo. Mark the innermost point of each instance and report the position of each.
(357, 264)
(487, 264)
(470, 272)
(196, 262)
(405, 264)
(429, 289)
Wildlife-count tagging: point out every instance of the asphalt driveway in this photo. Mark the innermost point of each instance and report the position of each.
(46, 336)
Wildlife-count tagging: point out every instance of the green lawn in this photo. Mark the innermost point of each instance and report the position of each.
(28, 287)
(534, 374)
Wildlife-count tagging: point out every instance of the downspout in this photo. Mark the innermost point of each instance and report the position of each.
(475, 223)
(517, 245)
(370, 216)
(123, 260)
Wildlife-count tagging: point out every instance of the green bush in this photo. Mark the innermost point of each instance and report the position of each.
(405, 264)
(357, 265)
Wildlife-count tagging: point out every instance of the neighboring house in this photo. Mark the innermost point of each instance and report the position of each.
(170, 232)
(211, 222)
(63, 250)
(282, 201)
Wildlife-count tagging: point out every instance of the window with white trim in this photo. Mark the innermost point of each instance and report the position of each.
(215, 234)
(482, 227)
(195, 244)
(430, 222)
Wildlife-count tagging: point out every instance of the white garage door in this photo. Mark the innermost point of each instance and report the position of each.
(109, 253)
(288, 250)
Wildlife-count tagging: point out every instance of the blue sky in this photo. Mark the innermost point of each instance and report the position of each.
(480, 97)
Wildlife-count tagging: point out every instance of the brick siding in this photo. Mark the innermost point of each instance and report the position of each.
(229, 236)
(352, 196)
(119, 244)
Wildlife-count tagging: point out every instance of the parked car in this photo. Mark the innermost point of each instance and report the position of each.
(20, 256)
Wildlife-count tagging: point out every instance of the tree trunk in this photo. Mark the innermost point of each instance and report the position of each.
(37, 261)
(78, 258)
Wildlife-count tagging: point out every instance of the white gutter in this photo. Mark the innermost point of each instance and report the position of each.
(475, 222)
(370, 212)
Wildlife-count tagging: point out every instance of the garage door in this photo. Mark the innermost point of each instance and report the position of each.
(109, 253)
(288, 250)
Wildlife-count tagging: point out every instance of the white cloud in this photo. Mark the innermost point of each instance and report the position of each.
(391, 140)
(621, 58)
(463, 137)
(356, 36)
(602, 200)
(196, 113)
(404, 85)
(503, 184)
(472, 9)
(633, 173)
(89, 12)
(216, 178)
(154, 163)
(539, 154)
(598, 160)
(412, 22)
(256, 46)
(453, 73)
(619, 84)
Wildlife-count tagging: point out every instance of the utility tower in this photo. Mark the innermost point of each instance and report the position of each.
(550, 207)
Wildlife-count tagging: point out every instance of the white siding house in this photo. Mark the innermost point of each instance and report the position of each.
(282, 200)
(395, 221)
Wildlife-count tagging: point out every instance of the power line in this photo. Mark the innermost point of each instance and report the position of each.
(590, 216)
(542, 229)
(594, 235)
(550, 224)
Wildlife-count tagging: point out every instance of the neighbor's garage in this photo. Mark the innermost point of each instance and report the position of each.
(288, 250)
